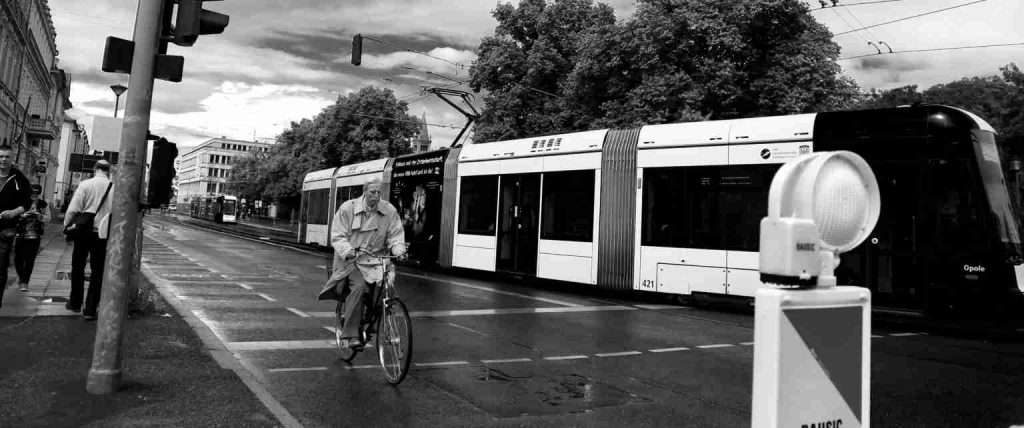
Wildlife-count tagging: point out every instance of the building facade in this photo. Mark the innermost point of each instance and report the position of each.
(205, 169)
(34, 92)
(73, 140)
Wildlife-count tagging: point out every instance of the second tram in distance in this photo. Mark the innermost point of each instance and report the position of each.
(676, 208)
(218, 209)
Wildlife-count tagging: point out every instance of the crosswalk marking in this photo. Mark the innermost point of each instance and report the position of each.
(670, 349)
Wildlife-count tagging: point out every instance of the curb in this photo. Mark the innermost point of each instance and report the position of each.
(225, 358)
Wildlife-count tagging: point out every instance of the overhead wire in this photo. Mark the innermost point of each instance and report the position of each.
(910, 17)
(934, 49)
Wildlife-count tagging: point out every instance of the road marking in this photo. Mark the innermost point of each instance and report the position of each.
(368, 366)
(657, 307)
(271, 299)
(299, 313)
(298, 369)
(280, 344)
(670, 349)
(507, 360)
(747, 343)
(245, 286)
(468, 329)
(720, 345)
(321, 266)
(442, 363)
(566, 357)
(331, 329)
(875, 336)
(492, 290)
(902, 334)
(619, 354)
(471, 312)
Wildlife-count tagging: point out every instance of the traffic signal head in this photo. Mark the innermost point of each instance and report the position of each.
(161, 172)
(357, 49)
(193, 21)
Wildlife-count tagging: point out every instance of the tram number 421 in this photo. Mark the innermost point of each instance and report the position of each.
(647, 283)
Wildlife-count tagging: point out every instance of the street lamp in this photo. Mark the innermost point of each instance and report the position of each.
(118, 90)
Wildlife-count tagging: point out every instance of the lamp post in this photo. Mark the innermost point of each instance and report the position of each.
(118, 90)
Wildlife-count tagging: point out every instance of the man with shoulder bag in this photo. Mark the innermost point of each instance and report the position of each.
(86, 224)
(15, 199)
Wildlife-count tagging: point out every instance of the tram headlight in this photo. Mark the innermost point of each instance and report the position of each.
(819, 206)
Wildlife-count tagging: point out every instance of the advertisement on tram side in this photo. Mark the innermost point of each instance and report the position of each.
(416, 192)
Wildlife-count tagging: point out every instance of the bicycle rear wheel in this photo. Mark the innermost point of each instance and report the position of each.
(346, 353)
(394, 341)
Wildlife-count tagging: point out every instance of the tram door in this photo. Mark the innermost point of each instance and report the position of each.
(889, 262)
(518, 218)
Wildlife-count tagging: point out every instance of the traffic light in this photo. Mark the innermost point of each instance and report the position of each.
(357, 49)
(193, 21)
(161, 172)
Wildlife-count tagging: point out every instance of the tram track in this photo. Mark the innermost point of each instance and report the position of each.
(268, 236)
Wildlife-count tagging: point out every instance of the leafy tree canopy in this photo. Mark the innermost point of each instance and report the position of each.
(361, 126)
(672, 61)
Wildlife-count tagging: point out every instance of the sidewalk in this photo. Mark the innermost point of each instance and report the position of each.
(46, 354)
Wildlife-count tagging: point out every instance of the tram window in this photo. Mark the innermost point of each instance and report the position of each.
(318, 206)
(568, 210)
(478, 205)
(742, 203)
(678, 207)
(717, 207)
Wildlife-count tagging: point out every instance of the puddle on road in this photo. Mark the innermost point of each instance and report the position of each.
(506, 393)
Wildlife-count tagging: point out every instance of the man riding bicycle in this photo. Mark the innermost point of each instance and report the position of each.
(370, 224)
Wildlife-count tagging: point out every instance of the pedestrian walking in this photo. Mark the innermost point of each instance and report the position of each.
(14, 201)
(90, 197)
(30, 230)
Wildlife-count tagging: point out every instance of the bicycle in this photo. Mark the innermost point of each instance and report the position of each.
(385, 319)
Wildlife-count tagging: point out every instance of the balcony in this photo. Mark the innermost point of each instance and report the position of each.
(40, 128)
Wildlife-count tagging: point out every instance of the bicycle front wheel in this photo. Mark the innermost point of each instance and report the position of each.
(394, 341)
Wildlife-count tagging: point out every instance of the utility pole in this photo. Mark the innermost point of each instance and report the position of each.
(125, 219)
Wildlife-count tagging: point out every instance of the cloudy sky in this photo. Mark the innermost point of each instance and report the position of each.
(284, 60)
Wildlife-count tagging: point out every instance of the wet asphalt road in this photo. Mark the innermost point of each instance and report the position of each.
(511, 353)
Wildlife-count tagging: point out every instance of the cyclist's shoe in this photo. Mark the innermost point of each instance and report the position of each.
(353, 343)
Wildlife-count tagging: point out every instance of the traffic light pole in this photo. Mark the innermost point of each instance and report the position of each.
(125, 219)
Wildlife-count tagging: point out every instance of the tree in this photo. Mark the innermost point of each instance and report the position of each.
(364, 125)
(672, 61)
(525, 64)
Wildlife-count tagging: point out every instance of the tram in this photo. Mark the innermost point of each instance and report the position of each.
(218, 209)
(676, 208)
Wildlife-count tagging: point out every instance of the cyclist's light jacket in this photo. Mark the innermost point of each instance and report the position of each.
(378, 231)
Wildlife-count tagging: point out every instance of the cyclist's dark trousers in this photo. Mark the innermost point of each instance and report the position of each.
(354, 307)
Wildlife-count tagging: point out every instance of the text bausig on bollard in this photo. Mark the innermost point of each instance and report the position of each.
(811, 337)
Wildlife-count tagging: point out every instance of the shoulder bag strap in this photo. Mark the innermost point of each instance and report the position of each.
(104, 199)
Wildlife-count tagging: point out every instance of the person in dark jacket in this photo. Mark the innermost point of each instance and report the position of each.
(15, 199)
(30, 230)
